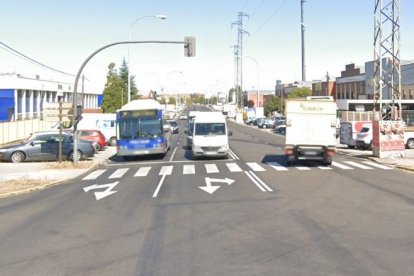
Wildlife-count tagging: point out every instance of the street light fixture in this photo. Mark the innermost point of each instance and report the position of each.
(160, 16)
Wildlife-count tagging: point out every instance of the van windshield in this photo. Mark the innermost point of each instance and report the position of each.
(210, 129)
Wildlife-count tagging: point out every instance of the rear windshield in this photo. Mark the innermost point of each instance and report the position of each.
(365, 129)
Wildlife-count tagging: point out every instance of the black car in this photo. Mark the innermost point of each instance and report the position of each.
(44, 146)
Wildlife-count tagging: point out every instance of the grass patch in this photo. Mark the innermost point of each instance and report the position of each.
(69, 165)
(11, 186)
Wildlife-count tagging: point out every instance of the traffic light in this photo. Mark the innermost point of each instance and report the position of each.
(189, 46)
(78, 114)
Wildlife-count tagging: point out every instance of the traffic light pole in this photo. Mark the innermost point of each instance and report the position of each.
(189, 43)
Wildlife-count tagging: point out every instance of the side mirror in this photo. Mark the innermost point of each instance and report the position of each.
(230, 133)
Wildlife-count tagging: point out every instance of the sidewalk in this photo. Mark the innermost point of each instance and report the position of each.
(51, 172)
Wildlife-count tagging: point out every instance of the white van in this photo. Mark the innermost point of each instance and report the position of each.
(210, 135)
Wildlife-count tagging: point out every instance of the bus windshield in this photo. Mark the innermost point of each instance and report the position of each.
(140, 129)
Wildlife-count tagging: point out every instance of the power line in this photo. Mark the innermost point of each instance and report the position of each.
(21, 55)
(270, 18)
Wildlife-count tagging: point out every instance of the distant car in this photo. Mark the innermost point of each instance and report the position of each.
(44, 146)
(174, 127)
(280, 127)
(364, 137)
(183, 117)
(93, 135)
(266, 123)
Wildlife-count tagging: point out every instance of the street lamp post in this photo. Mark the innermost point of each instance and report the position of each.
(257, 70)
(160, 16)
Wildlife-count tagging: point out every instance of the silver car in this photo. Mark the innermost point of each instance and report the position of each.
(44, 146)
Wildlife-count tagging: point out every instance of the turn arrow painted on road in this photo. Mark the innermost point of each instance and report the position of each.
(210, 188)
(108, 191)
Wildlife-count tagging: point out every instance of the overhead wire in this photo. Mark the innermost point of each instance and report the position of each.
(21, 55)
(270, 18)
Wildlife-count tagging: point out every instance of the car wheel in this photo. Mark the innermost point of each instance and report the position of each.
(112, 142)
(98, 147)
(73, 156)
(410, 143)
(17, 157)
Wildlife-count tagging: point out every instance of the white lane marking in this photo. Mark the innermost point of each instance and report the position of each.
(235, 155)
(231, 155)
(377, 165)
(172, 155)
(211, 168)
(336, 164)
(358, 165)
(162, 162)
(159, 186)
(255, 167)
(143, 171)
(233, 167)
(94, 175)
(118, 173)
(188, 169)
(261, 182)
(255, 182)
(277, 166)
(166, 170)
(302, 168)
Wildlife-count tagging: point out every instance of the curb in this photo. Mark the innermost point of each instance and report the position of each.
(53, 182)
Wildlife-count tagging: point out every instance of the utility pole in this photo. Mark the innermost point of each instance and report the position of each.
(302, 24)
(327, 83)
(239, 70)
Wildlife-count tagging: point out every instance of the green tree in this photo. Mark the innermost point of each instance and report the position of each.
(171, 100)
(300, 93)
(123, 74)
(113, 91)
(273, 105)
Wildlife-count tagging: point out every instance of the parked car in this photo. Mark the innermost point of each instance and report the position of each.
(266, 123)
(93, 135)
(174, 127)
(183, 117)
(280, 126)
(44, 146)
(364, 137)
(257, 121)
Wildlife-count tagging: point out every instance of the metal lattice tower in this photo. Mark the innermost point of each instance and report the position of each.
(239, 57)
(387, 68)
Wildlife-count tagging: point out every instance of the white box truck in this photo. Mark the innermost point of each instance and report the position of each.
(310, 130)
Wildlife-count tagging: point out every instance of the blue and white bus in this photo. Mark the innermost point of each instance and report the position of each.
(140, 129)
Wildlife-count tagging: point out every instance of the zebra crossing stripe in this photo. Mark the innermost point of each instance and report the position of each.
(255, 167)
(336, 164)
(94, 175)
(324, 168)
(143, 171)
(188, 169)
(277, 166)
(377, 165)
(302, 168)
(355, 164)
(118, 173)
(166, 170)
(211, 168)
(233, 167)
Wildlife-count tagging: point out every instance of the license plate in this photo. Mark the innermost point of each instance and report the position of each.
(310, 152)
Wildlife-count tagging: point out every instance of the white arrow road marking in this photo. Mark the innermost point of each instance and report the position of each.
(108, 191)
(165, 170)
(210, 188)
(94, 175)
(143, 171)
(233, 167)
(118, 173)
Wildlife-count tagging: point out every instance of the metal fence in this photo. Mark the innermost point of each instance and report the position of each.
(12, 131)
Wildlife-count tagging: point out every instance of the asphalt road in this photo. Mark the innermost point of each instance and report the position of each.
(351, 218)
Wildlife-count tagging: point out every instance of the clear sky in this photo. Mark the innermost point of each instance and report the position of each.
(63, 33)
